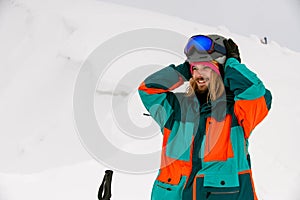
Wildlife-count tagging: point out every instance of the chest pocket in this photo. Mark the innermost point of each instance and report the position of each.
(218, 146)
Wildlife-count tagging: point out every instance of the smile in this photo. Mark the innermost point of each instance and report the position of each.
(202, 80)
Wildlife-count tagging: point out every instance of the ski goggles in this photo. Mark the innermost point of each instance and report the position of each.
(203, 44)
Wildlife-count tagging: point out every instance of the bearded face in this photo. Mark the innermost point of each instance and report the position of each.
(201, 75)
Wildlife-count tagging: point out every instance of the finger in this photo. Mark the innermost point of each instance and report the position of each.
(226, 43)
(231, 42)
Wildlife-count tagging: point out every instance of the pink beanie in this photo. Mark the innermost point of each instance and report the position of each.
(213, 65)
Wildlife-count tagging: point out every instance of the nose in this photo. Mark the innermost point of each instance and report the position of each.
(198, 72)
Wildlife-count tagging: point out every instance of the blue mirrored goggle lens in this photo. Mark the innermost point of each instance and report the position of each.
(200, 42)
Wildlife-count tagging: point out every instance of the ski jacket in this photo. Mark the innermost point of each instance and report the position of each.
(205, 147)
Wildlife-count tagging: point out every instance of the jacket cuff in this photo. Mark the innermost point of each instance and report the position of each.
(184, 70)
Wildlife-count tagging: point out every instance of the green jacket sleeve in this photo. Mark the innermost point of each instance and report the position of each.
(252, 99)
(156, 91)
(241, 81)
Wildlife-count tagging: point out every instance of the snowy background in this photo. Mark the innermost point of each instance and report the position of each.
(43, 47)
(278, 20)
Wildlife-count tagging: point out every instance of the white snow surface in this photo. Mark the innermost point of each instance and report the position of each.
(44, 44)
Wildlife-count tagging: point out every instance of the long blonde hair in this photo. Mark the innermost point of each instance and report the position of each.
(215, 87)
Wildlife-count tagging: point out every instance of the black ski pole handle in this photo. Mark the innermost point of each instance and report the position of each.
(104, 192)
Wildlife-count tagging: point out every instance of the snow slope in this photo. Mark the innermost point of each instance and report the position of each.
(43, 46)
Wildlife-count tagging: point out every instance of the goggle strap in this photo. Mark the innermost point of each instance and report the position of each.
(220, 48)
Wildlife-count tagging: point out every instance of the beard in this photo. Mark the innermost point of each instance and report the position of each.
(198, 88)
(202, 94)
(201, 89)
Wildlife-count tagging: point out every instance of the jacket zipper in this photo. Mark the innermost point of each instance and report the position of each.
(208, 137)
(166, 188)
(231, 192)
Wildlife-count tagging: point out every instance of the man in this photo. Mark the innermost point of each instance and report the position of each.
(205, 130)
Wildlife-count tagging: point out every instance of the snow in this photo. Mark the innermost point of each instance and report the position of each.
(44, 46)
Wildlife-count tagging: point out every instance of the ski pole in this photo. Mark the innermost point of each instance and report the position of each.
(104, 192)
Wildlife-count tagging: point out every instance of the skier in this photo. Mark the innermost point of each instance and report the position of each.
(205, 130)
(264, 40)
